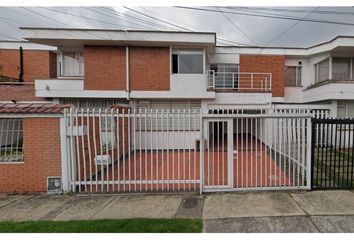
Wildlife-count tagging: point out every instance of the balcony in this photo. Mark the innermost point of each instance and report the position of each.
(239, 81)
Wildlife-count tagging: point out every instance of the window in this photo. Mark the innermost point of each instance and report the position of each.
(187, 61)
(11, 140)
(293, 76)
(72, 64)
(322, 71)
(345, 109)
(341, 68)
(226, 75)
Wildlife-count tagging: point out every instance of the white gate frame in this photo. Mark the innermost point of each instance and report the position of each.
(221, 117)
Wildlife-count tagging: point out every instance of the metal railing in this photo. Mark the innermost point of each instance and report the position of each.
(239, 81)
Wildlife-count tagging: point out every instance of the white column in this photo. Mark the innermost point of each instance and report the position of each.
(64, 157)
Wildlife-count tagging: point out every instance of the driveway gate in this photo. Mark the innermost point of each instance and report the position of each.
(119, 150)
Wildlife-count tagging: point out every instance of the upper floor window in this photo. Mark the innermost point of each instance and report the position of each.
(187, 61)
(293, 76)
(322, 71)
(341, 68)
(72, 64)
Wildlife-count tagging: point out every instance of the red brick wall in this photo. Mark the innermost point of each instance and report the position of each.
(266, 64)
(41, 158)
(17, 92)
(37, 64)
(149, 68)
(104, 68)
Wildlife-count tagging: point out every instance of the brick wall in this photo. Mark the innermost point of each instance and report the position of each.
(149, 68)
(37, 64)
(266, 64)
(17, 92)
(41, 157)
(104, 68)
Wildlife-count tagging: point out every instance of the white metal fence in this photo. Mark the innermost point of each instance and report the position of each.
(119, 150)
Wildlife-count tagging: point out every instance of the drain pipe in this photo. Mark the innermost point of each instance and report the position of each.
(127, 72)
(20, 77)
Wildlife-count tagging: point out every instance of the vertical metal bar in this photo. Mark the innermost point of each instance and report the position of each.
(298, 143)
(256, 155)
(195, 149)
(168, 149)
(218, 150)
(162, 148)
(129, 149)
(208, 147)
(303, 124)
(106, 148)
(184, 149)
(95, 146)
(330, 155)
(118, 150)
(178, 150)
(73, 170)
(157, 149)
(83, 147)
(112, 150)
(173, 149)
(237, 153)
(123, 147)
(77, 147)
(347, 153)
(339, 155)
(242, 139)
(201, 156)
(89, 144)
(189, 152)
(247, 170)
(308, 156)
(145, 143)
(151, 151)
(213, 152)
(223, 149)
(134, 147)
(140, 152)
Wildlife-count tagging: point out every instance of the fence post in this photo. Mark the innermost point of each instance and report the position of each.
(64, 154)
(310, 145)
(201, 156)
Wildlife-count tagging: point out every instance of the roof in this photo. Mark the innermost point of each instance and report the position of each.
(38, 108)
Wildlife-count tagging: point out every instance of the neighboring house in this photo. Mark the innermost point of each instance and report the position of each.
(178, 71)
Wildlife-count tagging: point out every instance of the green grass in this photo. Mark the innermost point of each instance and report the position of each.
(105, 226)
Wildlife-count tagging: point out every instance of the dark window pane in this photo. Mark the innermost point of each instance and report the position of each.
(174, 63)
(190, 63)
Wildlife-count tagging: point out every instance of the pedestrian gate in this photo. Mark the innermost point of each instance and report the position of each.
(119, 150)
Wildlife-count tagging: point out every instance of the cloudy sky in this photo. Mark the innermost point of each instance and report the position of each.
(260, 26)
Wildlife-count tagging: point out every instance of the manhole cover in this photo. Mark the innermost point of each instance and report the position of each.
(190, 203)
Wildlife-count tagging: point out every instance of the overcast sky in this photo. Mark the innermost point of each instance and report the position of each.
(233, 25)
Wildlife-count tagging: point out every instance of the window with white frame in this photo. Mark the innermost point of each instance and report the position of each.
(187, 61)
(11, 140)
(322, 71)
(293, 76)
(226, 75)
(341, 68)
(72, 63)
(345, 109)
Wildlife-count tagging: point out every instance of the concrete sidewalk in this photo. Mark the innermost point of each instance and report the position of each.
(317, 211)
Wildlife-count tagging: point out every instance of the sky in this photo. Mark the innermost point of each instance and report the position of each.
(256, 26)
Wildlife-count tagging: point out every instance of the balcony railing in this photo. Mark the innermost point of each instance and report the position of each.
(239, 81)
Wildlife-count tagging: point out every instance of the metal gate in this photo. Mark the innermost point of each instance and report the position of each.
(332, 154)
(256, 151)
(119, 150)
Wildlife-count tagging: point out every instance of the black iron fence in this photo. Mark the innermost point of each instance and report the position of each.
(332, 153)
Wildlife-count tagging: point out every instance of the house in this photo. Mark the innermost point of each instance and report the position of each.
(153, 110)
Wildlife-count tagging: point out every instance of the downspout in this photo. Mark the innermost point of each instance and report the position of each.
(20, 77)
(127, 72)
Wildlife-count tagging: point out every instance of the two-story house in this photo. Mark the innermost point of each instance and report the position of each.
(155, 74)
